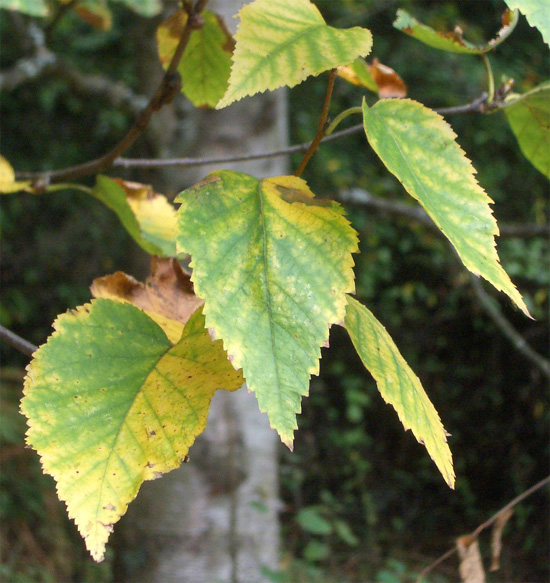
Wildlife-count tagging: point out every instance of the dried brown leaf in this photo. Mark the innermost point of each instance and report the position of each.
(471, 566)
(167, 294)
(388, 81)
(496, 537)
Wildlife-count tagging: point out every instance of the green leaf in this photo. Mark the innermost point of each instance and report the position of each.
(529, 118)
(143, 7)
(273, 265)
(111, 403)
(537, 13)
(419, 148)
(31, 7)
(282, 42)
(316, 551)
(147, 216)
(452, 41)
(358, 73)
(312, 521)
(398, 384)
(206, 62)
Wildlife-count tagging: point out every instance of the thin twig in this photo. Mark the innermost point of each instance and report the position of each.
(483, 526)
(17, 342)
(167, 90)
(322, 127)
(518, 341)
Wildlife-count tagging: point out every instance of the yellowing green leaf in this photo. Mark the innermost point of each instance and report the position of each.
(206, 62)
(31, 7)
(453, 41)
(398, 384)
(147, 216)
(282, 42)
(419, 148)
(529, 118)
(537, 13)
(111, 403)
(374, 76)
(8, 183)
(273, 265)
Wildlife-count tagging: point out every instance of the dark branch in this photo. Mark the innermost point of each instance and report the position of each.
(167, 90)
(17, 342)
(486, 524)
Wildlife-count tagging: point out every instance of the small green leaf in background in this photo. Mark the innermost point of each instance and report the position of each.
(282, 42)
(529, 118)
(312, 521)
(273, 265)
(398, 384)
(206, 62)
(419, 148)
(111, 403)
(537, 13)
(343, 530)
(30, 7)
(143, 7)
(147, 216)
(452, 41)
(316, 551)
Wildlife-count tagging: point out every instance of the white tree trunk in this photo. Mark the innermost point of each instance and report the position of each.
(216, 518)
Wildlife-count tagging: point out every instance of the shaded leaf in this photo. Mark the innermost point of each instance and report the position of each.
(471, 566)
(143, 7)
(31, 7)
(272, 264)
(376, 77)
(95, 12)
(316, 550)
(206, 62)
(167, 295)
(529, 118)
(111, 403)
(147, 216)
(282, 42)
(496, 537)
(419, 148)
(453, 41)
(8, 184)
(343, 530)
(398, 384)
(312, 521)
(537, 14)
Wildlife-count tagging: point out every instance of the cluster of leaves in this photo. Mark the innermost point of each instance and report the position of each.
(272, 272)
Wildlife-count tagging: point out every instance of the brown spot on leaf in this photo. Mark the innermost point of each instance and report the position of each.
(388, 81)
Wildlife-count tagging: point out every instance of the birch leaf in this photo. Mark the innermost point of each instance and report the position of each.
(398, 384)
(147, 216)
(111, 402)
(537, 14)
(419, 148)
(471, 566)
(529, 118)
(273, 265)
(282, 42)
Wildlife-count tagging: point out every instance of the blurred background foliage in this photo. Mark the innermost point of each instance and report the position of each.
(362, 500)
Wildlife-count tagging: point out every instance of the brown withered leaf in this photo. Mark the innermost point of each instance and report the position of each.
(388, 81)
(471, 567)
(496, 537)
(167, 294)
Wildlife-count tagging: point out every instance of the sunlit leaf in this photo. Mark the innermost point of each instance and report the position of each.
(167, 295)
(419, 148)
(398, 384)
(537, 13)
(111, 403)
(31, 7)
(374, 76)
(272, 264)
(206, 62)
(529, 118)
(453, 41)
(147, 216)
(282, 42)
(8, 184)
